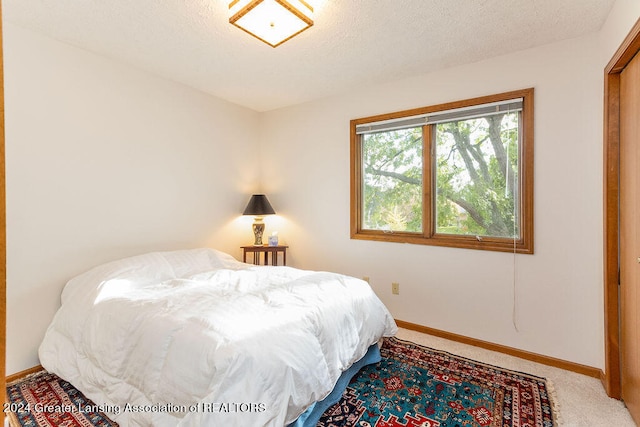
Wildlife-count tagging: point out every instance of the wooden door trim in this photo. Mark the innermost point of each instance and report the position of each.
(3, 235)
(625, 53)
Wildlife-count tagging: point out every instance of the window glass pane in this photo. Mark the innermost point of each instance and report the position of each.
(476, 168)
(392, 184)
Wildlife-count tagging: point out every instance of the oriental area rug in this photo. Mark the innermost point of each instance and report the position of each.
(412, 386)
(417, 386)
(44, 399)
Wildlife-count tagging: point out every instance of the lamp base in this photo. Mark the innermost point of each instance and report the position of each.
(258, 231)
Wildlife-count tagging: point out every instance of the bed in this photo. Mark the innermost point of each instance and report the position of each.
(195, 338)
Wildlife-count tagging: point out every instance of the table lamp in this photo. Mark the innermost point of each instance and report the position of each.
(258, 206)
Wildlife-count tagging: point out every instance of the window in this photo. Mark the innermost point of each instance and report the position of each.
(457, 174)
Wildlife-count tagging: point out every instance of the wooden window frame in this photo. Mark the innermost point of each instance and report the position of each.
(523, 245)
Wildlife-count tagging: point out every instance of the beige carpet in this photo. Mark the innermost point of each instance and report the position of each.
(581, 400)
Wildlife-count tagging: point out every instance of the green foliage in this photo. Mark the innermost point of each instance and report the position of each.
(392, 164)
(476, 178)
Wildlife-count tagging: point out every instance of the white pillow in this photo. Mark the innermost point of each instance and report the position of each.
(151, 268)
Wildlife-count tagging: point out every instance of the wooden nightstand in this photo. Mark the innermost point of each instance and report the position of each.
(266, 250)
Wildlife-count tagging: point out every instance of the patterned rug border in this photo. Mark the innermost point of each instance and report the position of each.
(27, 377)
(12, 417)
(551, 391)
(35, 377)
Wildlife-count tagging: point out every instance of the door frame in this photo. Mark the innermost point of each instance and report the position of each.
(3, 233)
(611, 378)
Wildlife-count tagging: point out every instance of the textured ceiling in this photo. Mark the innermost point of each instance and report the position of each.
(353, 42)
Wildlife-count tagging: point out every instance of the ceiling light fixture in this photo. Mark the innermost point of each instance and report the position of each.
(272, 21)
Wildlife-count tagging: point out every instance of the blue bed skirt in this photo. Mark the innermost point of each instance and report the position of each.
(310, 417)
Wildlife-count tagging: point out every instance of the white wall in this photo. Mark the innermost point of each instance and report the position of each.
(104, 161)
(557, 292)
(622, 17)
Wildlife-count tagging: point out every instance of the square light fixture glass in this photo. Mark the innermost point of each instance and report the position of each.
(272, 21)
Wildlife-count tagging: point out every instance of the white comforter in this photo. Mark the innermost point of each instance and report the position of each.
(195, 338)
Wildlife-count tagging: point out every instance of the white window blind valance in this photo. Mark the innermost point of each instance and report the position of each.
(508, 106)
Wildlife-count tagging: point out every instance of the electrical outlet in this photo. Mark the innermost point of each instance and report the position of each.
(366, 279)
(395, 288)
